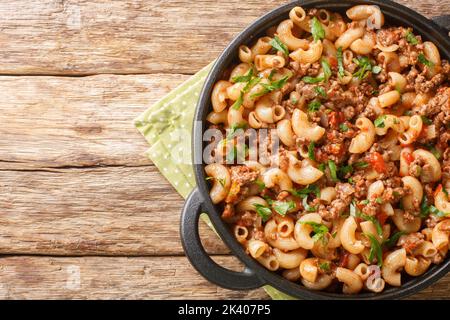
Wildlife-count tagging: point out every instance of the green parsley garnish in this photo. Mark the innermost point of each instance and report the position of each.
(234, 130)
(311, 149)
(317, 30)
(375, 250)
(245, 78)
(274, 85)
(343, 127)
(320, 91)
(365, 67)
(221, 181)
(425, 61)
(263, 211)
(238, 103)
(379, 122)
(314, 106)
(280, 46)
(340, 59)
(319, 230)
(282, 207)
(427, 120)
(326, 70)
(303, 193)
(307, 206)
(260, 184)
(411, 38)
(361, 164)
(392, 241)
(311, 80)
(325, 266)
(333, 170)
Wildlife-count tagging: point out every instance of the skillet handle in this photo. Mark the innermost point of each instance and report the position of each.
(198, 257)
(443, 21)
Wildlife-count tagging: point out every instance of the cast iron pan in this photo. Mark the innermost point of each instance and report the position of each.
(255, 275)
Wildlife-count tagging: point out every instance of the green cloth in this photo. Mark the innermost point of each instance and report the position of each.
(167, 127)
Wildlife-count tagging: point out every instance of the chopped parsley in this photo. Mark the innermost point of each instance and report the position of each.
(333, 170)
(303, 193)
(426, 210)
(373, 220)
(423, 60)
(311, 80)
(325, 266)
(314, 106)
(283, 207)
(427, 120)
(311, 149)
(365, 67)
(322, 167)
(238, 103)
(361, 164)
(319, 230)
(274, 85)
(294, 100)
(307, 206)
(379, 122)
(245, 78)
(317, 29)
(392, 241)
(340, 59)
(320, 91)
(343, 127)
(375, 250)
(219, 180)
(234, 129)
(379, 200)
(260, 184)
(280, 46)
(263, 211)
(326, 70)
(411, 38)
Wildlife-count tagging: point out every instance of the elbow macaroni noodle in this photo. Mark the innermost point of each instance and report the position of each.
(352, 189)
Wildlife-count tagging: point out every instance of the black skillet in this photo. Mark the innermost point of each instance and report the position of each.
(255, 275)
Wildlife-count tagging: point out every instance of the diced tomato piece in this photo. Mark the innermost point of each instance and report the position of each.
(343, 261)
(382, 217)
(438, 189)
(409, 158)
(333, 62)
(377, 162)
(335, 118)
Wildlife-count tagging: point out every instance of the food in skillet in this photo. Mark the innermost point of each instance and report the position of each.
(356, 195)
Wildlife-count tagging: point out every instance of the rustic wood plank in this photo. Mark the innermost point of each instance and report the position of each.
(110, 278)
(76, 121)
(102, 211)
(80, 37)
(127, 278)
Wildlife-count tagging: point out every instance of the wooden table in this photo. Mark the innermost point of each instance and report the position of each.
(84, 214)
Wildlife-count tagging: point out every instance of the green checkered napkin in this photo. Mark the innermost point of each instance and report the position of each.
(167, 127)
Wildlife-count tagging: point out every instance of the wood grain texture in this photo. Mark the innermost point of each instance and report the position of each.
(73, 177)
(102, 211)
(80, 37)
(76, 121)
(127, 278)
(111, 278)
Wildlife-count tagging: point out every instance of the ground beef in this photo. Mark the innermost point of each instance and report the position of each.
(411, 241)
(341, 203)
(390, 36)
(228, 211)
(422, 85)
(306, 90)
(243, 175)
(411, 79)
